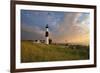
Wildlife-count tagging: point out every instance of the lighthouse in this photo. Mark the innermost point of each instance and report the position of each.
(47, 35)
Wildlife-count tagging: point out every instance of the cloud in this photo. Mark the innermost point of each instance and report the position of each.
(64, 27)
(72, 31)
(31, 32)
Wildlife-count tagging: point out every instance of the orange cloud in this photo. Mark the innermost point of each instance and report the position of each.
(72, 32)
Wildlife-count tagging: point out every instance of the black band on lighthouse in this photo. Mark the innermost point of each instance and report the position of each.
(46, 34)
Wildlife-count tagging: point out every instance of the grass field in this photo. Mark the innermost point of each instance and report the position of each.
(38, 52)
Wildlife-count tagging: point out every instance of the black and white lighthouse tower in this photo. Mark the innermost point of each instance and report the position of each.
(47, 34)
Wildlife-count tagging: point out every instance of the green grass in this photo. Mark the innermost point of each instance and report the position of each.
(35, 52)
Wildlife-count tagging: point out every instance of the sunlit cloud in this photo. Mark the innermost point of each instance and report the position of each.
(72, 31)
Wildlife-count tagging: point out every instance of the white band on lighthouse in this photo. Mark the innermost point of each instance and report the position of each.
(47, 40)
(47, 30)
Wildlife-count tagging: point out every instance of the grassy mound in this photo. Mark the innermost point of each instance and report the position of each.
(38, 52)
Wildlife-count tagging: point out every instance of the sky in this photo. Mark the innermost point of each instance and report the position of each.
(64, 27)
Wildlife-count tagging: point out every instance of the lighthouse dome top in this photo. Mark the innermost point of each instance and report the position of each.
(47, 26)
